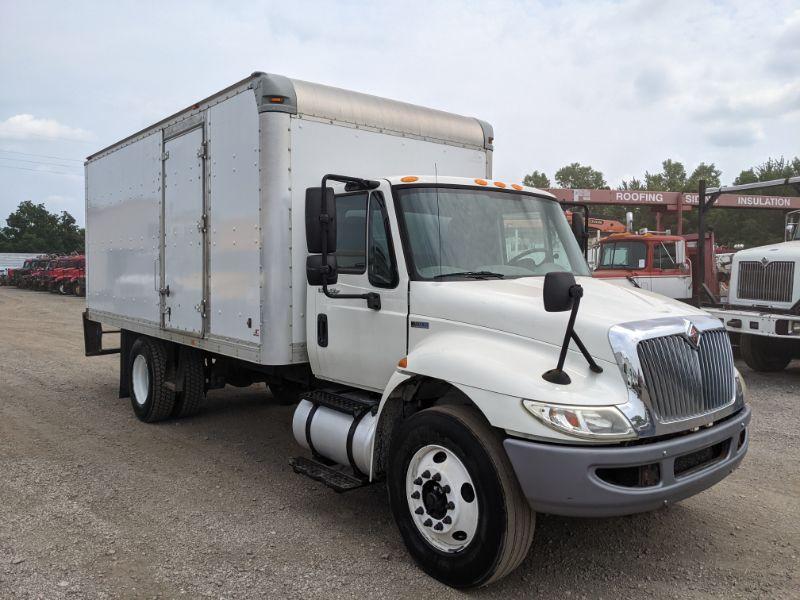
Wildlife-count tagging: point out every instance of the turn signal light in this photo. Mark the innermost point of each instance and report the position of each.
(481, 182)
(403, 362)
(409, 179)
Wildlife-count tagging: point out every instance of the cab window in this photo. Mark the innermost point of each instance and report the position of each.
(664, 256)
(351, 233)
(623, 255)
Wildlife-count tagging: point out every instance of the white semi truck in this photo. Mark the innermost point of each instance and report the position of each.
(355, 254)
(762, 311)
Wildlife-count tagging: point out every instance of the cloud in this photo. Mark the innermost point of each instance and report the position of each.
(28, 127)
(734, 135)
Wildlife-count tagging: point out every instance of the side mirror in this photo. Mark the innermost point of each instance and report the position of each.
(320, 210)
(319, 274)
(579, 229)
(556, 293)
(680, 252)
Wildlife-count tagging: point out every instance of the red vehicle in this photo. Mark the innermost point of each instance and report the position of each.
(28, 276)
(656, 262)
(77, 280)
(68, 269)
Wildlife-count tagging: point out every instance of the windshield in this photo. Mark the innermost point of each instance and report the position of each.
(796, 235)
(623, 255)
(462, 233)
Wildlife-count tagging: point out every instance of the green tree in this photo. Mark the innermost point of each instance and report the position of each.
(537, 179)
(32, 228)
(577, 176)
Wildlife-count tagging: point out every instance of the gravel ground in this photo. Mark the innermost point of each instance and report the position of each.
(95, 504)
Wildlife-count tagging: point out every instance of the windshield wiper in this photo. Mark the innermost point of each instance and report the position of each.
(471, 275)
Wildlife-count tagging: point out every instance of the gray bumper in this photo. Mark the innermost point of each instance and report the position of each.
(563, 480)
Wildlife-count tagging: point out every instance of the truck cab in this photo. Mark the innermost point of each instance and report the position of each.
(763, 308)
(650, 261)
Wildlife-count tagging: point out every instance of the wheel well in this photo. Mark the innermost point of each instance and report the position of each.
(411, 396)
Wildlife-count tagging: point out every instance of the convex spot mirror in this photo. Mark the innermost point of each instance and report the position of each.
(556, 293)
(316, 271)
(320, 209)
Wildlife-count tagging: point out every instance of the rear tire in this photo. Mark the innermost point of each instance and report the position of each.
(188, 402)
(464, 537)
(151, 400)
(765, 354)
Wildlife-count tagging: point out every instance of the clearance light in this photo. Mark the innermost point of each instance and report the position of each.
(516, 187)
(276, 99)
(500, 184)
(403, 362)
(409, 179)
(481, 182)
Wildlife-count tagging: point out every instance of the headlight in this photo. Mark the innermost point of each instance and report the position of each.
(602, 422)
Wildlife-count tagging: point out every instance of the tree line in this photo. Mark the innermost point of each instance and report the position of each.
(751, 227)
(32, 228)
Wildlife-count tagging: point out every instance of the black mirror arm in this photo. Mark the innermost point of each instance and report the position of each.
(373, 299)
(558, 375)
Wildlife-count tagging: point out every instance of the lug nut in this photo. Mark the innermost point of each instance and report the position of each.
(447, 520)
(426, 474)
(418, 481)
(450, 506)
(437, 477)
(419, 510)
(446, 489)
(427, 522)
(438, 527)
(415, 496)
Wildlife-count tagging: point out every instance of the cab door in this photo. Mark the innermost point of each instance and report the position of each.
(355, 344)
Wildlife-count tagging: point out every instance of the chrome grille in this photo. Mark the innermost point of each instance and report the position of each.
(684, 382)
(771, 282)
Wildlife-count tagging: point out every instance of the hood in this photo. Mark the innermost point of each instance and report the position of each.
(515, 306)
(780, 251)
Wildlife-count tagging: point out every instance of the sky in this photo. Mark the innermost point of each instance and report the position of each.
(619, 85)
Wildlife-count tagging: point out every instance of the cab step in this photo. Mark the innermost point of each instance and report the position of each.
(339, 481)
(348, 401)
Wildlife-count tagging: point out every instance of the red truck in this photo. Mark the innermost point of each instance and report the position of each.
(66, 272)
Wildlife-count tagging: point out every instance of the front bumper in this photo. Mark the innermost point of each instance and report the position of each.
(564, 480)
(754, 322)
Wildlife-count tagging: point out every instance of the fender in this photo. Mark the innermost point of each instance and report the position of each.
(496, 370)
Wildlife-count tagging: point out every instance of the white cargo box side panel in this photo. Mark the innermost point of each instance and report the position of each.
(233, 219)
(319, 148)
(123, 213)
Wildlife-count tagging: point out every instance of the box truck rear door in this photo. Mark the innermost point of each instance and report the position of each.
(184, 230)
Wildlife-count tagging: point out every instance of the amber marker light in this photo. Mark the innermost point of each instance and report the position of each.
(403, 362)
(276, 99)
(500, 184)
(409, 179)
(481, 182)
(516, 187)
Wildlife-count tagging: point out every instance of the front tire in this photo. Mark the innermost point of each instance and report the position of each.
(455, 497)
(765, 354)
(151, 400)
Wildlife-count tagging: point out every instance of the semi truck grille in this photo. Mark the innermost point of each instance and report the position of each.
(684, 381)
(771, 282)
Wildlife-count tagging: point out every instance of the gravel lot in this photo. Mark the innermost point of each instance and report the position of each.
(95, 504)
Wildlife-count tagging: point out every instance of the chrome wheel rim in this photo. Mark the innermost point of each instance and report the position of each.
(441, 498)
(141, 380)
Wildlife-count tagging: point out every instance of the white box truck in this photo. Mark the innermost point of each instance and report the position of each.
(438, 329)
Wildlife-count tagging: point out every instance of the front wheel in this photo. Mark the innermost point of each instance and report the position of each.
(455, 497)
